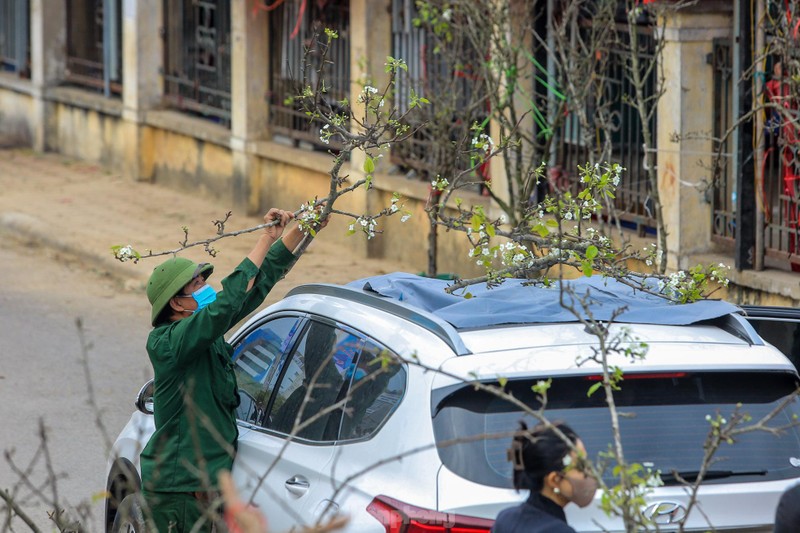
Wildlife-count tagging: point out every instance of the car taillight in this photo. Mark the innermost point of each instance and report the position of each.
(399, 517)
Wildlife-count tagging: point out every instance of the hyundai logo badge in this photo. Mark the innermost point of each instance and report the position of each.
(664, 513)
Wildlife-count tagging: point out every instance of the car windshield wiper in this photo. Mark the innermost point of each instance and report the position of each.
(691, 475)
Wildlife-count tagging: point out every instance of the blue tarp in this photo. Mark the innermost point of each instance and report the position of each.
(515, 303)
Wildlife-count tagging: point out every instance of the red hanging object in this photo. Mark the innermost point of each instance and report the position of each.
(259, 5)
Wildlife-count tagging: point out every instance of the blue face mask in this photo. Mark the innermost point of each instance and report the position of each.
(204, 296)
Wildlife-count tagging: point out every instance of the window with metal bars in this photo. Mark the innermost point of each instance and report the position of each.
(448, 73)
(633, 203)
(293, 27)
(15, 37)
(94, 45)
(197, 58)
(778, 194)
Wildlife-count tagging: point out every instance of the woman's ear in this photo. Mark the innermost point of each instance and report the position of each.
(552, 480)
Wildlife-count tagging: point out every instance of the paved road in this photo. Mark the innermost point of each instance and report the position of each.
(42, 376)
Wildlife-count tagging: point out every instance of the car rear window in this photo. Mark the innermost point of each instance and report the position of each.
(664, 423)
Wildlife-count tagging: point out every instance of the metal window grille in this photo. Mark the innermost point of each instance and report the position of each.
(633, 203)
(15, 37)
(94, 44)
(429, 151)
(779, 197)
(724, 182)
(197, 57)
(291, 32)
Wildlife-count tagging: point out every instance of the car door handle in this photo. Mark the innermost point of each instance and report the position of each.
(297, 485)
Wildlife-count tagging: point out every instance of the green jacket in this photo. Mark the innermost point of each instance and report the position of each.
(196, 394)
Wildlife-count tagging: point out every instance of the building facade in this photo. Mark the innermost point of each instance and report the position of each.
(192, 94)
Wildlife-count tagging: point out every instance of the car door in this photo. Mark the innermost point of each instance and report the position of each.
(283, 462)
(779, 326)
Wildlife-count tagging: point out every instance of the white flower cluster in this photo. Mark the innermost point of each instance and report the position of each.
(308, 216)
(440, 183)
(721, 420)
(672, 283)
(125, 253)
(617, 169)
(367, 94)
(396, 206)
(653, 254)
(483, 142)
(325, 134)
(719, 273)
(367, 224)
(596, 236)
(515, 254)
(483, 253)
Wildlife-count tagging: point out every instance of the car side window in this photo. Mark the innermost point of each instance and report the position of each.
(256, 359)
(378, 384)
(313, 382)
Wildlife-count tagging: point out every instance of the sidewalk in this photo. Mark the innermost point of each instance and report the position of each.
(82, 210)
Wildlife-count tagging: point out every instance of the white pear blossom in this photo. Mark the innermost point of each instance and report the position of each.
(125, 253)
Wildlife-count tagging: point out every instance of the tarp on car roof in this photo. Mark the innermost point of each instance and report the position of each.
(514, 302)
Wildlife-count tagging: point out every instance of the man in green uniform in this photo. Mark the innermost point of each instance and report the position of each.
(196, 394)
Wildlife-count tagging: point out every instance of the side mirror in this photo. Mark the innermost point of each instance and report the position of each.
(144, 400)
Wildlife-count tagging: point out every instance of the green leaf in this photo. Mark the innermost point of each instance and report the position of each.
(591, 252)
(467, 295)
(502, 381)
(476, 222)
(541, 230)
(369, 165)
(587, 269)
(551, 223)
(594, 388)
(490, 230)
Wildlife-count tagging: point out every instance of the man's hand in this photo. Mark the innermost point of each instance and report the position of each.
(282, 217)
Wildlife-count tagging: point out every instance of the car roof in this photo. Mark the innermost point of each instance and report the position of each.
(466, 325)
(518, 301)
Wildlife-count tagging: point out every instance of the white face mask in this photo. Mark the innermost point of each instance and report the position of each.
(582, 490)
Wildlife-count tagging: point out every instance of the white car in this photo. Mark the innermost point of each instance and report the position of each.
(409, 447)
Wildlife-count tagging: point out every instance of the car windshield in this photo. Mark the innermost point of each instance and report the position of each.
(663, 424)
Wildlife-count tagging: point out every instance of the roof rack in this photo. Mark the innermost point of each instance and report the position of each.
(442, 329)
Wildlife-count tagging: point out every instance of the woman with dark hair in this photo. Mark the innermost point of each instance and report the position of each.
(554, 473)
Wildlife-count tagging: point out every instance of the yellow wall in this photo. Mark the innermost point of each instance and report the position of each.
(188, 164)
(87, 134)
(16, 117)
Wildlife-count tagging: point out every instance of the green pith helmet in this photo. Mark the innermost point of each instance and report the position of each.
(169, 277)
